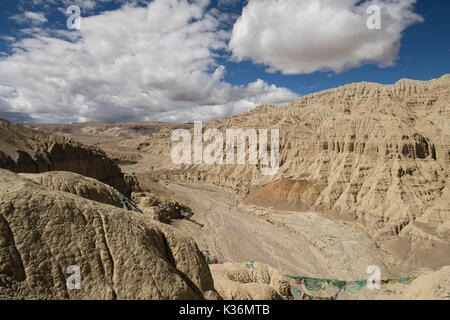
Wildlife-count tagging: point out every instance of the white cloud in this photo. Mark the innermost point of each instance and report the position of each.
(7, 92)
(155, 63)
(7, 38)
(31, 17)
(297, 37)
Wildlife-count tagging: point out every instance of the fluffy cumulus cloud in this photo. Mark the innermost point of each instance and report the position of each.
(304, 36)
(137, 63)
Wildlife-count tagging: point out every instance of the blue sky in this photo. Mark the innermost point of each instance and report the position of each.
(424, 55)
(179, 61)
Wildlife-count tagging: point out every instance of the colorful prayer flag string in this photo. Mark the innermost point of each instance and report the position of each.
(316, 284)
(125, 203)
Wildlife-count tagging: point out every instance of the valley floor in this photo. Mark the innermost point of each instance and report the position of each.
(294, 243)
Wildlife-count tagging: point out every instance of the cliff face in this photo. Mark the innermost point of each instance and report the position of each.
(376, 153)
(29, 151)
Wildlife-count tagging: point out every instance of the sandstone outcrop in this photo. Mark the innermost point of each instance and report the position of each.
(121, 254)
(235, 282)
(379, 154)
(30, 151)
(162, 209)
(74, 183)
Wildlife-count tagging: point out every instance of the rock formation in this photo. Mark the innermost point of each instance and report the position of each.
(379, 154)
(162, 209)
(121, 254)
(31, 151)
(235, 282)
(74, 183)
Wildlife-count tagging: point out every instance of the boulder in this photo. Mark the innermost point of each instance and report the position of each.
(234, 281)
(74, 183)
(120, 254)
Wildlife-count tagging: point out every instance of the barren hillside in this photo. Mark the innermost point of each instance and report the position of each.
(376, 153)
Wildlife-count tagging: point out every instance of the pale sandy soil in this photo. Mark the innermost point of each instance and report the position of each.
(295, 243)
